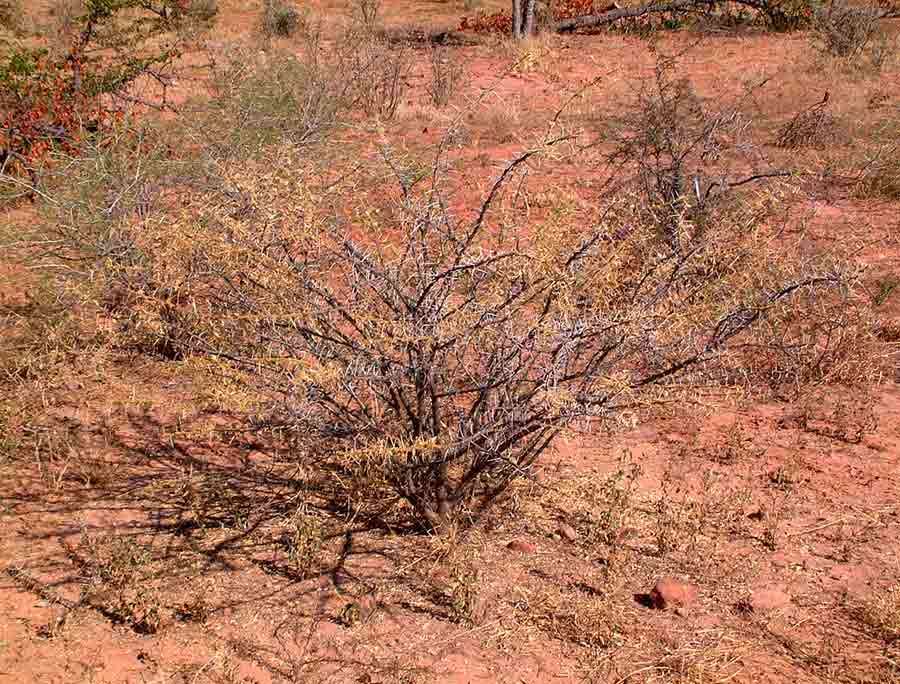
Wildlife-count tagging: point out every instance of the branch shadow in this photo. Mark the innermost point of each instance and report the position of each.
(221, 509)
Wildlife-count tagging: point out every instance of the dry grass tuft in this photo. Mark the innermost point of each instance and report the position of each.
(882, 614)
(705, 657)
(575, 616)
(447, 76)
(812, 127)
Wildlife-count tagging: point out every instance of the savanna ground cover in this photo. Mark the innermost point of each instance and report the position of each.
(362, 342)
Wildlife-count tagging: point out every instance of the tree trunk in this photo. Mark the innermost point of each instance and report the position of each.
(522, 18)
(528, 18)
(517, 19)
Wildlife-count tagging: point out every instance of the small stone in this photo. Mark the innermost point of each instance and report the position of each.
(521, 546)
(567, 532)
(769, 599)
(670, 593)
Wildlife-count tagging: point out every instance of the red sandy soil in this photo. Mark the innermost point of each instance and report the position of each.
(799, 502)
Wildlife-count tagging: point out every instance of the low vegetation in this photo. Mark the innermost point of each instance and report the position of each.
(331, 325)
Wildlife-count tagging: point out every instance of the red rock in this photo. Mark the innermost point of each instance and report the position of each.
(670, 593)
(521, 546)
(567, 532)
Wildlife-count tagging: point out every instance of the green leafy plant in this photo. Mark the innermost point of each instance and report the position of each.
(53, 101)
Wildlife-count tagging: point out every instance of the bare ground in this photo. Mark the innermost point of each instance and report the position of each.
(129, 553)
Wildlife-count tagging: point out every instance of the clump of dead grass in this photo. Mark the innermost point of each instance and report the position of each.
(446, 76)
(576, 616)
(42, 336)
(882, 614)
(709, 655)
(602, 509)
(815, 126)
(879, 173)
(498, 120)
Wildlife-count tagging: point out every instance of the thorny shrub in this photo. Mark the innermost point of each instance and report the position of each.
(694, 164)
(440, 364)
(683, 151)
(428, 356)
(295, 97)
(845, 30)
(378, 71)
(279, 19)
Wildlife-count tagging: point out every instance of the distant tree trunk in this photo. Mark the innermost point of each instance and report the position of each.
(517, 19)
(528, 18)
(522, 18)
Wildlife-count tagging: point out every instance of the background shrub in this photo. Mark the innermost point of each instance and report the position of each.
(844, 30)
(10, 15)
(279, 19)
